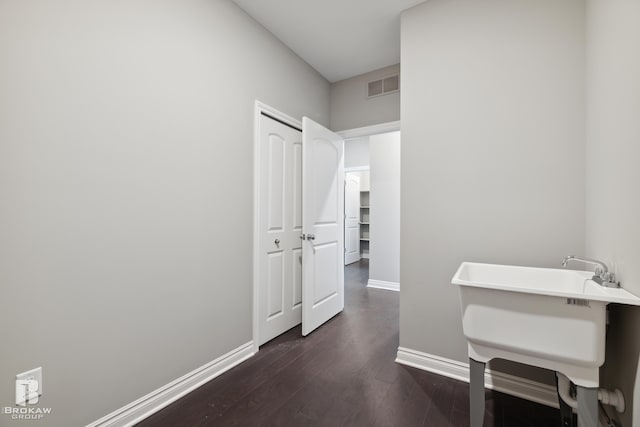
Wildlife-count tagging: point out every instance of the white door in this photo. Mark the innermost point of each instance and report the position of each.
(351, 218)
(280, 280)
(322, 224)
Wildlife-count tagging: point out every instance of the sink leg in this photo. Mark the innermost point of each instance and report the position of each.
(476, 392)
(566, 412)
(587, 407)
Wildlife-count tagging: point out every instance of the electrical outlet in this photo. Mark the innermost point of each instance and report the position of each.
(33, 374)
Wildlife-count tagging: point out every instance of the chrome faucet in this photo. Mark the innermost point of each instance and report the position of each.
(601, 276)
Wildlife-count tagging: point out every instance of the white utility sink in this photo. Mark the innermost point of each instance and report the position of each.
(551, 318)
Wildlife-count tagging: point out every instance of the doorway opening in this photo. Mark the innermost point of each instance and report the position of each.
(372, 204)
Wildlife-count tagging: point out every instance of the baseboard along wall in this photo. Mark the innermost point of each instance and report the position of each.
(158, 399)
(380, 284)
(526, 389)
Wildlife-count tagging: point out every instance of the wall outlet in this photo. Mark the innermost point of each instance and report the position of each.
(33, 374)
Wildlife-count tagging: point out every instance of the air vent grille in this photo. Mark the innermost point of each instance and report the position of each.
(384, 86)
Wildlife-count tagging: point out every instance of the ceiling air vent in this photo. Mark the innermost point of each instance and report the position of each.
(384, 86)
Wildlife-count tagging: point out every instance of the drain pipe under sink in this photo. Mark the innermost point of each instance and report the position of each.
(611, 398)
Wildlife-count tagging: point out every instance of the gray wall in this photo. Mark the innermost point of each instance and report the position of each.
(384, 264)
(492, 150)
(350, 107)
(356, 152)
(126, 144)
(613, 178)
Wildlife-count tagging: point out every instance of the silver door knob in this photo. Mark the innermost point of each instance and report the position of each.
(311, 237)
(277, 242)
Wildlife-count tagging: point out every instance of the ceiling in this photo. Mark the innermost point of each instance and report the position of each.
(339, 38)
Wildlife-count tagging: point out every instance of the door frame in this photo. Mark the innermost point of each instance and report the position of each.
(369, 130)
(356, 169)
(259, 108)
(348, 134)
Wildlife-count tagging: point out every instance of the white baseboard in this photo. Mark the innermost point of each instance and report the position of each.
(380, 284)
(156, 400)
(504, 383)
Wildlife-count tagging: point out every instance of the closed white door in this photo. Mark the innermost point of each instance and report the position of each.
(351, 218)
(323, 225)
(280, 282)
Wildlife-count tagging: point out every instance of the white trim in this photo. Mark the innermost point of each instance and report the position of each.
(259, 108)
(526, 389)
(356, 169)
(381, 284)
(156, 400)
(370, 130)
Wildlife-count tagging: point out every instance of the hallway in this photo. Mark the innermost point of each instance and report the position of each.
(343, 374)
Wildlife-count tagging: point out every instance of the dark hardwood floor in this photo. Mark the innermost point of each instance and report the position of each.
(343, 374)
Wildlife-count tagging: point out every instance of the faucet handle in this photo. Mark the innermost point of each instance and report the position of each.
(609, 280)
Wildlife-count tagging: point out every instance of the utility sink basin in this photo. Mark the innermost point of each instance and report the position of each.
(551, 318)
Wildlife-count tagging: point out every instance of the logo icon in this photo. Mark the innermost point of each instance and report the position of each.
(27, 392)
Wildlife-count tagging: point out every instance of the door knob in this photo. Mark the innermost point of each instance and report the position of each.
(311, 237)
(277, 242)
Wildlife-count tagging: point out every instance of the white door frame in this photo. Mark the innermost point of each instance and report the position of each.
(260, 108)
(356, 169)
(369, 130)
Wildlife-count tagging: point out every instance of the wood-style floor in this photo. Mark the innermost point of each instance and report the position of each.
(343, 374)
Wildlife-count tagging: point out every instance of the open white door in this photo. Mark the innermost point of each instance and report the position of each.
(351, 218)
(322, 225)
